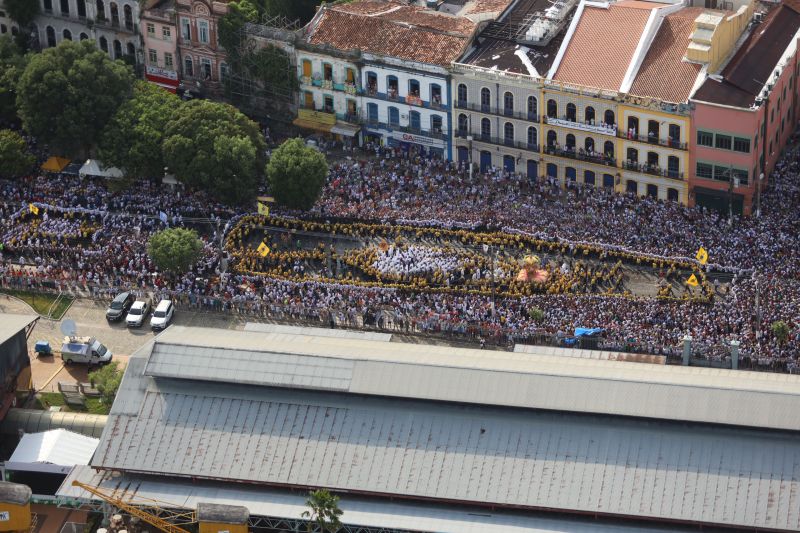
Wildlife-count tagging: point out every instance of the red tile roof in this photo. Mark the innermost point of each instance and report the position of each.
(603, 44)
(663, 73)
(393, 29)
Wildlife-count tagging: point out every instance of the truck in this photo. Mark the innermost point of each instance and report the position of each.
(86, 350)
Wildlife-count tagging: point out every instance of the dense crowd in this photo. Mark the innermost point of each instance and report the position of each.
(95, 237)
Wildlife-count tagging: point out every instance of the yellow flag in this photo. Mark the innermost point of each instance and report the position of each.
(263, 249)
(33, 209)
(692, 281)
(702, 256)
(263, 209)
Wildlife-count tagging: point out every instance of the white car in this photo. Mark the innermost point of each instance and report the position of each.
(162, 316)
(137, 314)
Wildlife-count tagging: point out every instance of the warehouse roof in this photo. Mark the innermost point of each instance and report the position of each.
(439, 451)
(10, 324)
(472, 376)
(357, 511)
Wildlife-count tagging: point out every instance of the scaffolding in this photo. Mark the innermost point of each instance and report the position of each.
(255, 93)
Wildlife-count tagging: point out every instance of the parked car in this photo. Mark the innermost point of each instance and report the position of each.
(138, 312)
(119, 306)
(162, 316)
(86, 350)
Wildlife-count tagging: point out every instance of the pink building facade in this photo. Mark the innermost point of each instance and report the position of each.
(160, 44)
(743, 118)
(203, 60)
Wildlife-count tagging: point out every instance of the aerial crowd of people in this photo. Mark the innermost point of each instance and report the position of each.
(91, 236)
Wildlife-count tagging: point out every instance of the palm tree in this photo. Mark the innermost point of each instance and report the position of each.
(324, 513)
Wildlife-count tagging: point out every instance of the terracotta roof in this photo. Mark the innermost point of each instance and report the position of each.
(486, 6)
(755, 60)
(396, 30)
(663, 73)
(603, 44)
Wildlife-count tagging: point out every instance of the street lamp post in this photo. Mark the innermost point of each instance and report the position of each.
(758, 194)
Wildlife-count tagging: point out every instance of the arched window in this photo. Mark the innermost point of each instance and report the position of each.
(372, 80)
(673, 167)
(486, 99)
(588, 144)
(572, 112)
(608, 181)
(533, 137)
(81, 8)
(51, 36)
(608, 118)
(67, 34)
(65, 7)
(672, 195)
(508, 133)
(372, 112)
(552, 139)
(413, 88)
(674, 136)
(588, 177)
(588, 115)
(571, 174)
(101, 10)
(508, 104)
(414, 122)
(608, 149)
(509, 164)
(114, 14)
(552, 109)
(486, 128)
(633, 125)
(128, 13)
(632, 187)
(633, 155)
(653, 131)
(188, 67)
(570, 141)
(652, 159)
(392, 87)
(462, 94)
(463, 123)
(83, 36)
(104, 45)
(394, 116)
(117, 49)
(48, 5)
(652, 190)
(130, 50)
(436, 94)
(533, 108)
(552, 170)
(436, 123)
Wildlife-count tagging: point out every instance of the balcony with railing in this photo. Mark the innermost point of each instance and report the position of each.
(592, 127)
(498, 141)
(669, 142)
(393, 95)
(581, 155)
(652, 170)
(405, 129)
(503, 112)
(329, 84)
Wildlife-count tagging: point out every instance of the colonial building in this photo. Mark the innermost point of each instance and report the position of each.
(112, 24)
(203, 64)
(744, 114)
(160, 43)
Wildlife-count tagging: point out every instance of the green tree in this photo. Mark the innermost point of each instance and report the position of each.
(296, 174)
(324, 511)
(174, 250)
(22, 11)
(14, 157)
(12, 63)
(214, 147)
(781, 331)
(536, 314)
(132, 139)
(66, 95)
(107, 379)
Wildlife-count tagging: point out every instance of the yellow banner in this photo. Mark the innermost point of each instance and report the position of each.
(263, 209)
(702, 256)
(33, 209)
(692, 281)
(263, 249)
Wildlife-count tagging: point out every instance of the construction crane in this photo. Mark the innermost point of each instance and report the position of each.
(149, 513)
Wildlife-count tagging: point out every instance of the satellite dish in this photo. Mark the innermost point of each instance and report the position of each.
(69, 327)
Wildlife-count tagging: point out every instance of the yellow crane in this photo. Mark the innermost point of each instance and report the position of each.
(152, 514)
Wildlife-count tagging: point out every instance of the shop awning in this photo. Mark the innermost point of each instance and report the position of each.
(93, 167)
(344, 128)
(55, 164)
(312, 125)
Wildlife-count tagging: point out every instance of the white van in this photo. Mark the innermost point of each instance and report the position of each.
(86, 350)
(162, 316)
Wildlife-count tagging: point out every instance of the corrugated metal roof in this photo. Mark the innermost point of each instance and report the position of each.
(10, 324)
(444, 373)
(445, 451)
(628, 357)
(356, 511)
(318, 332)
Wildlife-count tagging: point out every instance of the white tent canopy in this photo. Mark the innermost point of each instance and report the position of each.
(93, 167)
(55, 451)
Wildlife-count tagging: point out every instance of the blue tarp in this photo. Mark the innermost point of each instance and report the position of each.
(588, 332)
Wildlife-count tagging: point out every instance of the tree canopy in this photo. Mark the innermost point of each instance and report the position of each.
(22, 11)
(12, 63)
(214, 147)
(132, 139)
(14, 157)
(323, 511)
(67, 94)
(107, 380)
(174, 250)
(296, 174)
